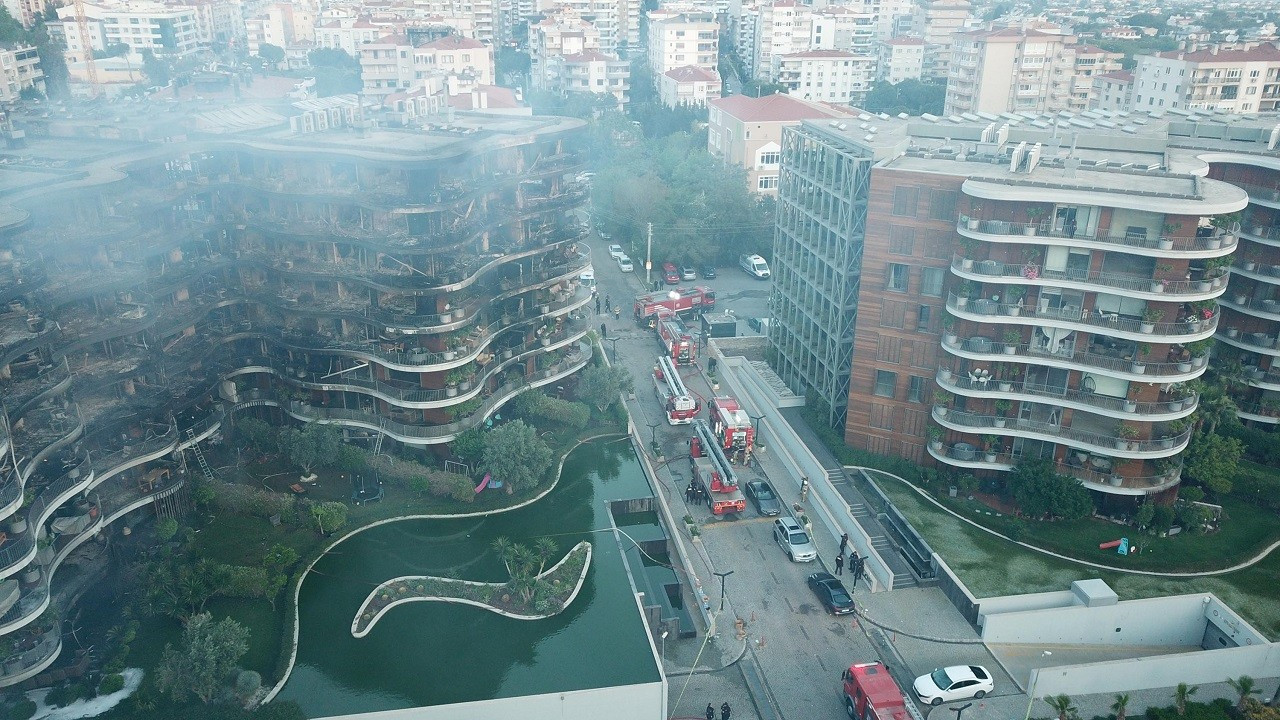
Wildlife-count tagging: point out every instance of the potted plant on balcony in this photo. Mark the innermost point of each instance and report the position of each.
(1131, 402)
(1200, 352)
(1014, 296)
(1012, 338)
(1166, 238)
(1150, 317)
(971, 221)
(941, 399)
(451, 380)
(1003, 406)
(544, 335)
(991, 447)
(935, 437)
(1138, 366)
(1226, 224)
(1124, 435)
(963, 293)
(949, 331)
(1033, 220)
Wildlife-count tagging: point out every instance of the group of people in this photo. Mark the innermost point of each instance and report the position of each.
(856, 561)
(694, 494)
(725, 710)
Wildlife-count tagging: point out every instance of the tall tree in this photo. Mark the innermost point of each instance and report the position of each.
(272, 54)
(1181, 694)
(1244, 687)
(315, 445)
(336, 72)
(913, 97)
(201, 665)
(1212, 460)
(1121, 706)
(600, 385)
(515, 455)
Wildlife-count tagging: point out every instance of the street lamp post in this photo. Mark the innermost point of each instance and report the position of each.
(653, 437)
(722, 576)
(1032, 690)
(613, 348)
(663, 654)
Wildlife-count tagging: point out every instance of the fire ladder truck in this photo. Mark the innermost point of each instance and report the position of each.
(676, 341)
(680, 405)
(712, 472)
(732, 426)
(680, 300)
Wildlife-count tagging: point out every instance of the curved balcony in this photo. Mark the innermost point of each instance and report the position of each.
(24, 282)
(999, 231)
(981, 348)
(1112, 445)
(28, 663)
(436, 434)
(1266, 309)
(52, 439)
(1120, 408)
(17, 552)
(405, 395)
(23, 395)
(1073, 318)
(1259, 413)
(1263, 379)
(1253, 342)
(1031, 274)
(1262, 234)
(1269, 274)
(1111, 483)
(1260, 195)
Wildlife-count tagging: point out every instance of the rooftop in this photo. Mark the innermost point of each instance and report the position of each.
(691, 73)
(1257, 53)
(772, 108)
(454, 42)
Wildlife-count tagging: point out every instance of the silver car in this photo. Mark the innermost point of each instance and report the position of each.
(793, 540)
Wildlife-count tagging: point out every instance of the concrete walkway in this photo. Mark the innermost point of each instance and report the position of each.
(1100, 566)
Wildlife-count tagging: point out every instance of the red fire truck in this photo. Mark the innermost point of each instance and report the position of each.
(732, 426)
(680, 405)
(675, 338)
(712, 472)
(871, 694)
(680, 300)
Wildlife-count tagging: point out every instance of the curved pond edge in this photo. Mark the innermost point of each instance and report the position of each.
(582, 576)
(297, 587)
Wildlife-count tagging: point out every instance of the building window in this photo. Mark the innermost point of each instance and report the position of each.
(896, 276)
(942, 205)
(931, 280)
(902, 240)
(885, 382)
(881, 416)
(915, 392)
(924, 318)
(905, 200)
(893, 314)
(937, 244)
(767, 182)
(770, 158)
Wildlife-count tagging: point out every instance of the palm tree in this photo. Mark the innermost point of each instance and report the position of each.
(1244, 686)
(545, 549)
(522, 559)
(1061, 704)
(502, 546)
(1180, 695)
(1120, 705)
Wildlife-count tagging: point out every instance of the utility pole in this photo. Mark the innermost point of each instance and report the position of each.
(648, 258)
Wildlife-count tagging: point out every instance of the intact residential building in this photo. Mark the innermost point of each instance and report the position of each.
(782, 27)
(350, 34)
(396, 284)
(688, 85)
(170, 31)
(471, 18)
(900, 59)
(841, 27)
(591, 72)
(281, 24)
(392, 64)
(1112, 91)
(829, 76)
(747, 132)
(1090, 63)
(680, 39)
(558, 36)
(616, 21)
(1025, 295)
(1242, 79)
(20, 66)
(937, 21)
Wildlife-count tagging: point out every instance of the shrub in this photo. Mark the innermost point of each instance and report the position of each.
(23, 710)
(166, 528)
(246, 500)
(247, 683)
(111, 683)
(451, 485)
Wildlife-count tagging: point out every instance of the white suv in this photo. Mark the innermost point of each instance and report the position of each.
(793, 540)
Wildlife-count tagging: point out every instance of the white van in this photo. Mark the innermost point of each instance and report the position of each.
(588, 278)
(755, 266)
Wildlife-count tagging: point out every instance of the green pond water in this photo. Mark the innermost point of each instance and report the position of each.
(431, 653)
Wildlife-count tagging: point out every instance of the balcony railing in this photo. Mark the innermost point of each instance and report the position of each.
(1030, 231)
(1109, 323)
(1166, 410)
(1267, 235)
(1052, 432)
(1269, 196)
(1102, 481)
(1040, 275)
(23, 664)
(20, 550)
(985, 348)
(1249, 340)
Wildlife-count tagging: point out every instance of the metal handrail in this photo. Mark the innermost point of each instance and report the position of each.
(1079, 316)
(1045, 230)
(950, 380)
(1031, 272)
(1083, 357)
(1057, 433)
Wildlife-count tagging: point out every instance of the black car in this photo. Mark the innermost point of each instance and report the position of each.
(709, 272)
(831, 592)
(763, 497)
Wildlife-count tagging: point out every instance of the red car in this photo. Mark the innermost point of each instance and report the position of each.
(670, 274)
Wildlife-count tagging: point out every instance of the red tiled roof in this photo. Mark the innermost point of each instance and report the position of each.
(1265, 51)
(822, 54)
(1121, 75)
(771, 108)
(588, 56)
(498, 98)
(453, 42)
(691, 73)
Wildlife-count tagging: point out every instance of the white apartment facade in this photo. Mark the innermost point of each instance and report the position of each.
(680, 39)
(217, 21)
(472, 18)
(747, 132)
(141, 26)
(350, 34)
(900, 59)
(391, 64)
(938, 21)
(1112, 91)
(617, 21)
(558, 36)
(689, 85)
(20, 66)
(1237, 80)
(843, 27)
(591, 72)
(281, 24)
(783, 27)
(829, 76)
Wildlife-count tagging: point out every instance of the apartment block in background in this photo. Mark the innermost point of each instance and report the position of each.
(689, 85)
(747, 132)
(589, 72)
(678, 39)
(1112, 91)
(167, 30)
(938, 21)
(558, 36)
(831, 76)
(20, 67)
(1243, 79)
(281, 24)
(900, 59)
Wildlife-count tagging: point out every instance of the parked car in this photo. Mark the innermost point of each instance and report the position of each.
(670, 274)
(957, 682)
(831, 593)
(709, 272)
(687, 272)
(624, 264)
(616, 252)
(793, 540)
(763, 497)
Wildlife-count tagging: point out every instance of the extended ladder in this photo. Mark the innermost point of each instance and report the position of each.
(204, 465)
(377, 444)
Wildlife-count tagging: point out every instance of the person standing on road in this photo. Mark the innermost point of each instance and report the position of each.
(617, 313)
(844, 543)
(604, 331)
(840, 563)
(711, 712)
(607, 305)
(597, 304)
(855, 568)
(724, 711)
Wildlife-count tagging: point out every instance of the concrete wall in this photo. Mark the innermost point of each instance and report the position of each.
(1215, 666)
(1174, 621)
(1021, 603)
(625, 702)
(955, 590)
